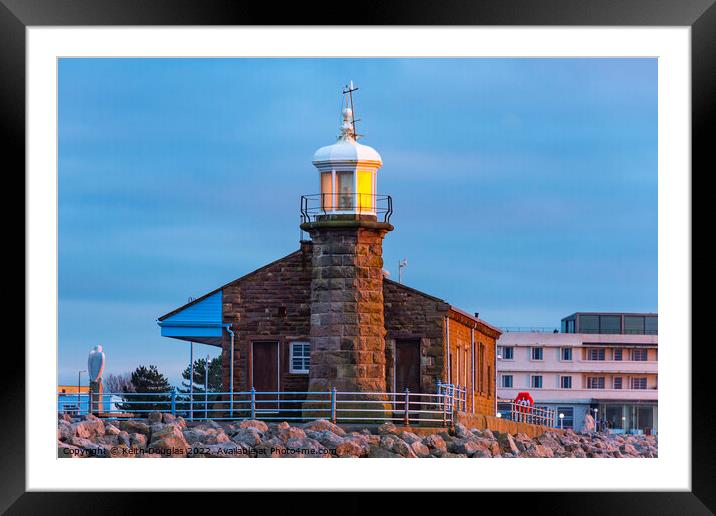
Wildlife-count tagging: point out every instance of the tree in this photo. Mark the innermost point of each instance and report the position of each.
(118, 383)
(151, 392)
(200, 400)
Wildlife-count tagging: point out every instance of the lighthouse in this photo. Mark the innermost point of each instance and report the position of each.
(347, 222)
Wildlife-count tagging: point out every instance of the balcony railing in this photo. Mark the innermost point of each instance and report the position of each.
(323, 204)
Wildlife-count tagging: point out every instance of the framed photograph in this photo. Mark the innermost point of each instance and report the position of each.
(449, 235)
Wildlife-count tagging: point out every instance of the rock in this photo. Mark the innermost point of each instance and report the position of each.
(507, 443)
(123, 439)
(410, 437)
(420, 449)
(323, 425)
(68, 451)
(306, 448)
(91, 417)
(349, 448)
(628, 449)
(88, 428)
(226, 450)
(133, 426)
(111, 430)
(290, 432)
(65, 430)
(154, 417)
(273, 447)
(462, 432)
(137, 440)
(65, 417)
(326, 438)
(170, 440)
(253, 423)
(204, 435)
(435, 441)
(378, 452)
(181, 422)
(487, 434)
(469, 448)
(387, 428)
(395, 444)
(249, 436)
(168, 418)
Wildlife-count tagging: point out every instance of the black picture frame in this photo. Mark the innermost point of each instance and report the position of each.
(700, 15)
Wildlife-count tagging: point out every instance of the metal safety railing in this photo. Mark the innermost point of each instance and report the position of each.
(509, 409)
(316, 205)
(405, 407)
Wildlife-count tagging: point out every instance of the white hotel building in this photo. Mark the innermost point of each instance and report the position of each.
(602, 361)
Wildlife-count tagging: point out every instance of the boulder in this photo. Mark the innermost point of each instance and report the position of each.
(507, 443)
(253, 423)
(171, 440)
(462, 432)
(324, 425)
(378, 452)
(387, 428)
(420, 449)
(410, 437)
(169, 418)
(65, 430)
(137, 440)
(134, 426)
(249, 436)
(154, 417)
(326, 438)
(123, 439)
(306, 447)
(111, 430)
(434, 441)
(290, 432)
(350, 448)
(88, 428)
(225, 450)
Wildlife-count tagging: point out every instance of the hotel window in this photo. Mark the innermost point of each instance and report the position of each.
(536, 354)
(638, 383)
(536, 382)
(595, 382)
(300, 358)
(617, 382)
(595, 354)
(508, 353)
(639, 355)
(566, 354)
(568, 419)
(565, 382)
(617, 354)
(507, 381)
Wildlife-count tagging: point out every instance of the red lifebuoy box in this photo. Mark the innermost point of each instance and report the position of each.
(524, 402)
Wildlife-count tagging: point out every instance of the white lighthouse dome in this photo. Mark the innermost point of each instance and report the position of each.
(347, 150)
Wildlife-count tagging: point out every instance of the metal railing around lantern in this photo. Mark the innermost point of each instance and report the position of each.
(322, 204)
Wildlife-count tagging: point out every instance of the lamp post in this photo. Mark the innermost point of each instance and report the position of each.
(79, 389)
(596, 421)
(561, 421)
(206, 388)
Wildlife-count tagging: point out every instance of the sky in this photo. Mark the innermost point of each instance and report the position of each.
(523, 189)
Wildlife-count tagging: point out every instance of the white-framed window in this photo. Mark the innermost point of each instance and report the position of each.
(300, 358)
(536, 381)
(568, 419)
(508, 353)
(595, 382)
(639, 355)
(565, 382)
(638, 383)
(536, 353)
(565, 354)
(618, 354)
(617, 382)
(595, 354)
(507, 381)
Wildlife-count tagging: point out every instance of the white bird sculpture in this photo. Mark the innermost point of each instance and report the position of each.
(95, 364)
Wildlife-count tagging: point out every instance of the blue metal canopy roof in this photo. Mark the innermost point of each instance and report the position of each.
(199, 321)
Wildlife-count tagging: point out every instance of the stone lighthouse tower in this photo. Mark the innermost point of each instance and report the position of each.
(347, 222)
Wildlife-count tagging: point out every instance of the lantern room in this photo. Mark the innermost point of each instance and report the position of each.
(347, 172)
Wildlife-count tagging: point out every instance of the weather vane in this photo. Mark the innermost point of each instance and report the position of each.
(349, 89)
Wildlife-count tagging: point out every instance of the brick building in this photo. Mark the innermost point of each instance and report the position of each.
(325, 316)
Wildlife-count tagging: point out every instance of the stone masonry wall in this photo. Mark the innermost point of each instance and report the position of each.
(347, 325)
(411, 314)
(274, 303)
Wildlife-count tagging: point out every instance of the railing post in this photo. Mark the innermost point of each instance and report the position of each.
(333, 405)
(174, 401)
(406, 419)
(253, 402)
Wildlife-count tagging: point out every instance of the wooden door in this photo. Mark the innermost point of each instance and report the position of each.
(407, 365)
(265, 373)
